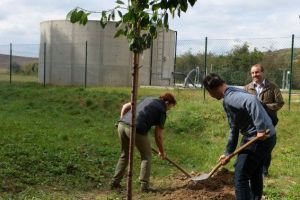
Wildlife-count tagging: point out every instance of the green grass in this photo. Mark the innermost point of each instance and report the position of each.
(61, 143)
(5, 77)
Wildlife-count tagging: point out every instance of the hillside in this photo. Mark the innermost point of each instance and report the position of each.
(4, 60)
(287, 53)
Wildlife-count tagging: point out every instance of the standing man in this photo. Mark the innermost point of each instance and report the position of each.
(150, 112)
(247, 116)
(269, 95)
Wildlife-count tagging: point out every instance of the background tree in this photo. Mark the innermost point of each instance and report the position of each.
(296, 75)
(275, 64)
(240, 59)
(30, 69)
(138, 22)
(15, 67)
(234, 66)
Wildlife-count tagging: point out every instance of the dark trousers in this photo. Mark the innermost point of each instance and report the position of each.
(266, 164)
(248, 169)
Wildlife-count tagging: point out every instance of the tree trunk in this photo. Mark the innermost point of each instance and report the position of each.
(135, 82)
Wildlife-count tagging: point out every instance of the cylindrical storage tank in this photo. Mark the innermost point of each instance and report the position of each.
(73, 54)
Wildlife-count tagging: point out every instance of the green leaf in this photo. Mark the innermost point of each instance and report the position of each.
(112, 15)
(154, 16)
(166, 21)
(127, 17)
(103, 13)
(80, 13)
(178, 12)
(149, 40)
(103, 20)
(73, 16)
(164, 4)
(152, 30)
(172, 11)
(120, 2)
(120, 14)
(172, 4)
(151, 3)
(76, 16)
(84, 18)
(183, 5)
(145, 21)
(70, 14)
(119, 32)
(159, 23)
(118, 23)
(192, 2)
(126, 31)
(156, 7)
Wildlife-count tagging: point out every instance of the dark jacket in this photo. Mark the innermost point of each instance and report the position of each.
(150, 112)
(270, 97)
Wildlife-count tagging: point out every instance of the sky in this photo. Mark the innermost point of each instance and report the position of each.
(219, 19)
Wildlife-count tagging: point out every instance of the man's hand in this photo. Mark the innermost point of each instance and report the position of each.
(262, 135)
(224, 159)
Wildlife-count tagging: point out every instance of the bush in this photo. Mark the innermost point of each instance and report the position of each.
(30, 69)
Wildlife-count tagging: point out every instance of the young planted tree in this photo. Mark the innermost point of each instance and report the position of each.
(138, 21)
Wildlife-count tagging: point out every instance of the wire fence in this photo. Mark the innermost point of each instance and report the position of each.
(230, 58)
(19, 63)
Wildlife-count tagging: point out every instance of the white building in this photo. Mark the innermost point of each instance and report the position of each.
(106, 61)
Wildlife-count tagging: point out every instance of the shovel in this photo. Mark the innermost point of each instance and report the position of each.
(206, 176)
(173, 163)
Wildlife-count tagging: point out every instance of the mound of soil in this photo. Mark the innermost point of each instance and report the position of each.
(218, 187)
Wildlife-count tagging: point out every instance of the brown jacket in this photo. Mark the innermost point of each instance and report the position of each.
(270, 97)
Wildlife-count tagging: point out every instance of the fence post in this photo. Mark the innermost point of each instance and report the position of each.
(291, 72)
(85, 64)
(175, 59)
(205, 65)
(44, 64)
(10, 62)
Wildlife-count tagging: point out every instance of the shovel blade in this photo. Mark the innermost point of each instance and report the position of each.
(201, 177)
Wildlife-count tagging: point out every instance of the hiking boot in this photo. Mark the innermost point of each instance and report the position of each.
(115, 186)
(145, 187)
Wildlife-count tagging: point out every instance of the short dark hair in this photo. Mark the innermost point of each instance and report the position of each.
(168, 97)
(212, 81)
(259, 65)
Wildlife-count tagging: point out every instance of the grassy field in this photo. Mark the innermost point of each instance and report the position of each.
(5, 77)
(61, 143)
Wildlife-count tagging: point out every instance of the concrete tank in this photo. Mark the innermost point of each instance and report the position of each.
(72, 54)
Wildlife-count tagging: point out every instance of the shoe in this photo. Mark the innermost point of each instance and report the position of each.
(145, 187)
(115, 186)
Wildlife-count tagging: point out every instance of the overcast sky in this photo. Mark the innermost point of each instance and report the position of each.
(218, 19)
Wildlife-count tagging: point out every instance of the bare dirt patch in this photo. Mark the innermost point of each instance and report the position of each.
(218, 187)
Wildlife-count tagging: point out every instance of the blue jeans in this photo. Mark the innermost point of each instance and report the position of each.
(248, 169)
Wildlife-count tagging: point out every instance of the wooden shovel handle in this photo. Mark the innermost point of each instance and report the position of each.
(237, 151)
(173, 163)
(232, 154)
(248, 144)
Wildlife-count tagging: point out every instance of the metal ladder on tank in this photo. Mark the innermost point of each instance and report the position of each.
(159, 64)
